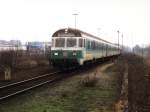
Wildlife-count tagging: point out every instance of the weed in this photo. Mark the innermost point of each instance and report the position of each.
(89, 81)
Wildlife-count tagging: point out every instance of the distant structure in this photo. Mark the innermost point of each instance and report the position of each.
(38, 47)
(29, 46)
(10, 45)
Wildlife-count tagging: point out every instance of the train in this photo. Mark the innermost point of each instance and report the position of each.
(73, 47)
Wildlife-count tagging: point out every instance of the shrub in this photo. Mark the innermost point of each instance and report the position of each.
(8, 58)
(89, 81)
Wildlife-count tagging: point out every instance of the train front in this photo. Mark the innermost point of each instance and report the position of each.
(67, 48)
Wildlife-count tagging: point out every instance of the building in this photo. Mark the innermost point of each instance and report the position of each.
(10, 45)
(38, 47)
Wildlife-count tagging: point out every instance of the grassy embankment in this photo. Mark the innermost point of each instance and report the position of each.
(96, 90)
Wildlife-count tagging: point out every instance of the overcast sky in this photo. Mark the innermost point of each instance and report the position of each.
(37, 20)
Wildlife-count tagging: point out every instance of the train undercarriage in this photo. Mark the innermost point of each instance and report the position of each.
(69, 63)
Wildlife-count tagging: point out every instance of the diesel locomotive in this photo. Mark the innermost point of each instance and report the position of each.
(73, 47)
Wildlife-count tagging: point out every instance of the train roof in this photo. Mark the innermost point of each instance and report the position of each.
(77, 33)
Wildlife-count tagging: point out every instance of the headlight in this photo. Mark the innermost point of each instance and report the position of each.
(56, 54)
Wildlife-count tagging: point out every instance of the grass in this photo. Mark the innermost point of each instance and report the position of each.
(139, 86)
(68, 96)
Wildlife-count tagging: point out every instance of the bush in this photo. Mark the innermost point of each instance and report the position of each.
(89, 81)
(8, 58)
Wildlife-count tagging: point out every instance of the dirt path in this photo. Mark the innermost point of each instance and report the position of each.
(122, 104)
(103, 68)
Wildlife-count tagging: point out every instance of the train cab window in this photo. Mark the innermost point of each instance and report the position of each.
(71, 42)
(60, 42)
(52, 42)
(80, 42)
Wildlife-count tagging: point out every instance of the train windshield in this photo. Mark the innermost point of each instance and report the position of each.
(60, 42)
(71, 42)
(80, 42)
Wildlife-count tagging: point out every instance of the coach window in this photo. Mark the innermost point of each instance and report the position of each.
(88, 44)
(108, 47)
(102, 46)
(99, 46)
(84, 41)
(93, 45)
(96, 45)
(60, 42)
(71, 42)
(80, 42)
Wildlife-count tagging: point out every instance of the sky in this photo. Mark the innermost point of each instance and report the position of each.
(37, 20)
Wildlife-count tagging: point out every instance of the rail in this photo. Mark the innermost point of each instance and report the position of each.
(25, 85)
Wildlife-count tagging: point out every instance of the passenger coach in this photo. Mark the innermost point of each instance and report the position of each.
(71, 47)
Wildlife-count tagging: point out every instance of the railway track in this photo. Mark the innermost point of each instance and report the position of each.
(25, 85)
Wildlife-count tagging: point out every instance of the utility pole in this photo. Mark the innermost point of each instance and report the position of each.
(122, 42)
(75, 14)
(133, 50)
(143, 52)
(118, 38)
